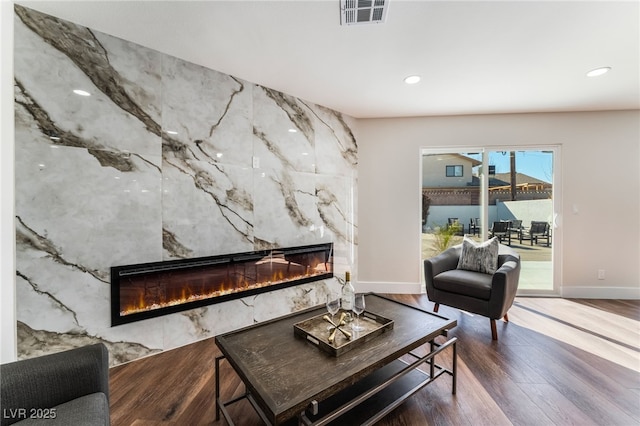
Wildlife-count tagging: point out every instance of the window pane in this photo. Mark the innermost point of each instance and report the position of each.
(454, 171)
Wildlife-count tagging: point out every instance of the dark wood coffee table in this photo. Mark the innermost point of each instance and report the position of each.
(289, 380)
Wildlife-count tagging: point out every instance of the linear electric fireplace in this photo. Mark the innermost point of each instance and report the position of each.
(153, 289)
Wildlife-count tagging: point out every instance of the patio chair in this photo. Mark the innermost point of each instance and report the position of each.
(501, 230)
(474, 226)
(538, 230)
(515, 227)
(453, 221)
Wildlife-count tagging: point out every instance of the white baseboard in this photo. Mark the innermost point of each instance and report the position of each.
(389, 287)
(600, 292)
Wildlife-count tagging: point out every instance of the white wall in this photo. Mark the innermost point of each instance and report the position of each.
(525, 210)
(7, 228)
(600, 187)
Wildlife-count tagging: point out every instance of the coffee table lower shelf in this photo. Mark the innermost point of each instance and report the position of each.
(371, 398)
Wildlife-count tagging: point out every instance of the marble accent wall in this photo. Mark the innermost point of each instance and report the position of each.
(164, 160)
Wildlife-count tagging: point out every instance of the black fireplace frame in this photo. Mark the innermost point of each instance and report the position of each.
(119, 272)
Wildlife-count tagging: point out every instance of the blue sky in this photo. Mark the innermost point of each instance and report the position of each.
(538, 164)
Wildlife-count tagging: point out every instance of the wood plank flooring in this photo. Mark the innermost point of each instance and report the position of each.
(557, 362)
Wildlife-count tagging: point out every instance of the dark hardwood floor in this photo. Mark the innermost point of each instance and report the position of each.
(557, 362)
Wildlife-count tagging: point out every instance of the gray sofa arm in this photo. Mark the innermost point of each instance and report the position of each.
(445, 261)
(50, 380)
(504, 285)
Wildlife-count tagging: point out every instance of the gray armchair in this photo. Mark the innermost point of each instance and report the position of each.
(65, 388)
(483, 294)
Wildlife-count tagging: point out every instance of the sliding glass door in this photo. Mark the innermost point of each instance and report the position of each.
(477, 192)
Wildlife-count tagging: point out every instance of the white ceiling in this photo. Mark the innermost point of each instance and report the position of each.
(475, 57)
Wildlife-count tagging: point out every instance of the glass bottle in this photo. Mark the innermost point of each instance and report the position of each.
(348, 293)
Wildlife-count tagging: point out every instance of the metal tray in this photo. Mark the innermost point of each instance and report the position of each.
(316, 330)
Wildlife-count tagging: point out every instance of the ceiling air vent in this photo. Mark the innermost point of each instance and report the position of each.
(356, 12)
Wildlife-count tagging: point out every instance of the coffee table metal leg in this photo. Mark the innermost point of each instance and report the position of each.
(303, 420)
(454, 368)
(432, 361)
(218, 359)
(257, 408)
(221, 406)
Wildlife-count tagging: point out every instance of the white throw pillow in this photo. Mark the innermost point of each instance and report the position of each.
(479, 257)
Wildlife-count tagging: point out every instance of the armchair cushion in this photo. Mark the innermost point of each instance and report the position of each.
(65, 388)
(469, 283)
(479, 257)
(92, 409)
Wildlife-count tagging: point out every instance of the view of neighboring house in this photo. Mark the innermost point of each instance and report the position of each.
(451, 189)
(452, 179)
(448, 170)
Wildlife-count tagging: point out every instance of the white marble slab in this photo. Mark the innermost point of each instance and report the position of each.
(207, 208)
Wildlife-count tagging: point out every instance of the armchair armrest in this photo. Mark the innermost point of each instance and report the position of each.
(50, 380)
(445, 261)
(504, 285)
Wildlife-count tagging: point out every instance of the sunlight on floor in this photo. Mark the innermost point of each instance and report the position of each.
(610, 336)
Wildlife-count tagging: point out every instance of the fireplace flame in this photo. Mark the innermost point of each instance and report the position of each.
(144, 301)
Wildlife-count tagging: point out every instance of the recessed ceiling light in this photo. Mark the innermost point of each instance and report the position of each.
(598, 71)
(172, 132)
(81, 92)
(412, 79)
(293, 131)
